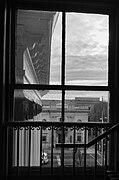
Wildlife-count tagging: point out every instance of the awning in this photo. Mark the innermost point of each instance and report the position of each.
(31, 95)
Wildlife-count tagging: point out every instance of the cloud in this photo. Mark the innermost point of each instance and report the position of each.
(56, 95)
(88, 82)
(86, 49)
(86, 34)
(83, 69)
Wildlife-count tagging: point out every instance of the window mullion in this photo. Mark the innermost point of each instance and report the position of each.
(63, 63)
(63, 90)
(63, 48)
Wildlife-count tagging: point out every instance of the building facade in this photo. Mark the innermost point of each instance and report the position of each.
(76, 110)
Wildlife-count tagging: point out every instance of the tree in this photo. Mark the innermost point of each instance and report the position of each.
(98, 111)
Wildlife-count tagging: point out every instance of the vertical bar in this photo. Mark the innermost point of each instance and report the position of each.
(4, 50)
(105, 158)
(24, 146)
(63, 48)
(95, 170)
(102, 151)
(18, 151)
(85, 152)
(74, 150)
(7, 150)
(21, 148)
(9, 36)
(40, 149)
(29, 157)
(62, 151)
(118, 148)
(52, 139)
(106, 149)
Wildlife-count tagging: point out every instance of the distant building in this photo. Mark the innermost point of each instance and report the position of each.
(76, 110)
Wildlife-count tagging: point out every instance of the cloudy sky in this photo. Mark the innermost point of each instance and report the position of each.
(86, 50)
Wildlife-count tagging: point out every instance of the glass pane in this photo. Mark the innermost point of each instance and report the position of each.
(34, 105)
(52, 106)
(38, 47)
(87, 49)
(91, 157)
(101, 153)
(87, 106)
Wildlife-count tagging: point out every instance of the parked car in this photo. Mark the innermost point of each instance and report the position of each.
(44, 158)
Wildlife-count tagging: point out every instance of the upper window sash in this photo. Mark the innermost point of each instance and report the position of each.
(62, 57)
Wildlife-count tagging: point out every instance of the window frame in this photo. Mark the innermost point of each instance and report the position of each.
(112, 77)
(111, 64)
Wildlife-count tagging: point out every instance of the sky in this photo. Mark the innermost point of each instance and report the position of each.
(86, 48)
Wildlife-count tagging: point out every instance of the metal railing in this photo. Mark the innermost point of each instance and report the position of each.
(20, 157)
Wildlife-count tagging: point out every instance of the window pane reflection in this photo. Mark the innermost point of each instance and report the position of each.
(38, 47)
(34, 105)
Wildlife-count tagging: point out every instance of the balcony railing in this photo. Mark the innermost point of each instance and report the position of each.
(25, 147)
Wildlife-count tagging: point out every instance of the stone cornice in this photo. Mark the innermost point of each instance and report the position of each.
(30, 74)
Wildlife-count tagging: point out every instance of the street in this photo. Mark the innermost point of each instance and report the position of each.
(68, 159)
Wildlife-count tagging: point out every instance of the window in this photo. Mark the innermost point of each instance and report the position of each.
(70, 39)
(78, 138)
(70, 139)
(60, 68)
(44, 138)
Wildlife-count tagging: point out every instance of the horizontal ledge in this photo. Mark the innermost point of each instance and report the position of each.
(59, 87)
(57, 124)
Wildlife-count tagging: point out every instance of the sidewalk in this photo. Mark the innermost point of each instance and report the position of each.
(69, 151)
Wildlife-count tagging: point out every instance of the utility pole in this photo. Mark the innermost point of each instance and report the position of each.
(102, 148)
